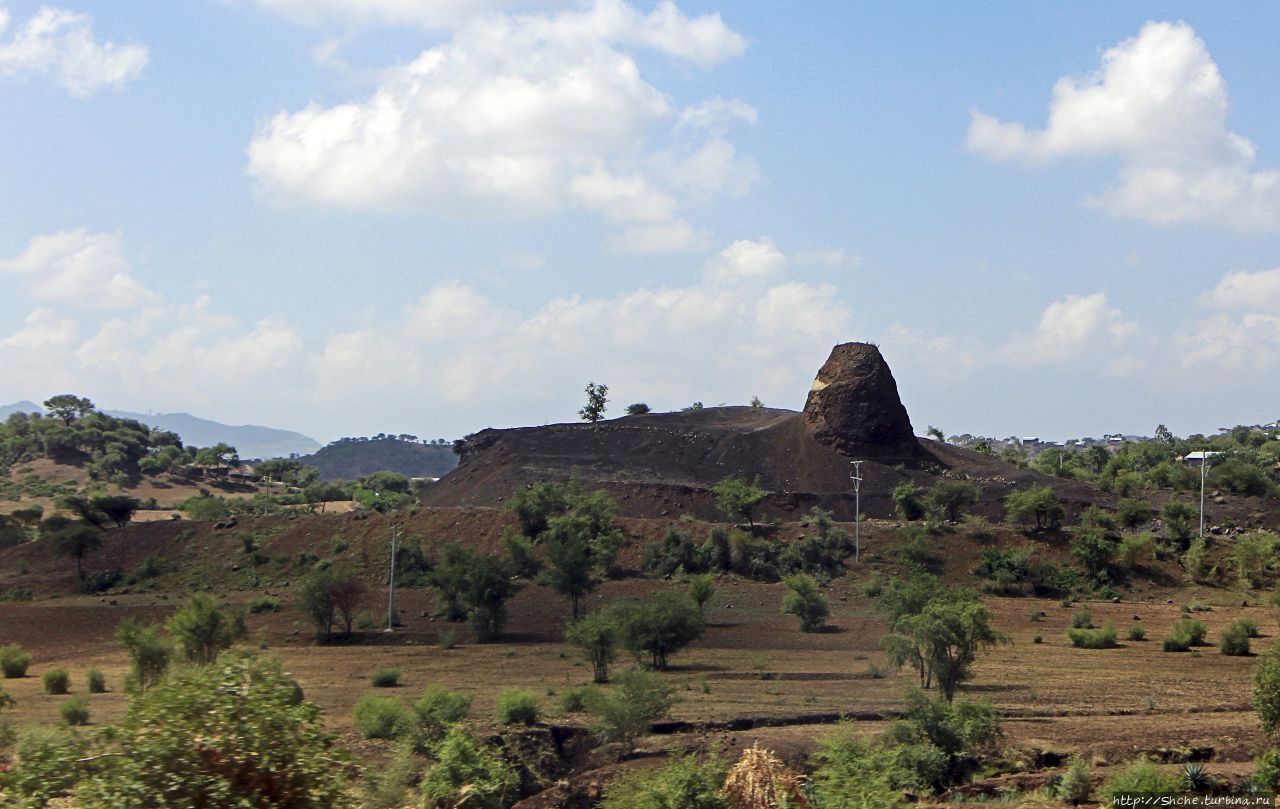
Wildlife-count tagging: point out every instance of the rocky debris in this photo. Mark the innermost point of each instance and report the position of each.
(853, 405)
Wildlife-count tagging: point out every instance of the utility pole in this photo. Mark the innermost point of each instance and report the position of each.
(856, 476)
(1204, 460)
(391, 588)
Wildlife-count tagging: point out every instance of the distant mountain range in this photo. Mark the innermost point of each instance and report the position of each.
(352, 457)
(250, 440)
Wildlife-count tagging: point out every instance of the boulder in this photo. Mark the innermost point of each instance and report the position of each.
(853, 405)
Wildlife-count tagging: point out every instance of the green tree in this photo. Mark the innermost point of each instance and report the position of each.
(660, 626)
(855, 774)
(637, 409)
(597, 399)
(949, 497)
(804, 600)
(935, 433)
(487, 587)
(1177, 523)
(83, 508)
(906, 501)
(347, 594)
(569, 572)
(118, 508)
(67, 407)
(1037, 507)
(315, 600)
(535, 505)
(739, 499)
(701, 588)
(468, 775)
(204, 630)
(943, 640)
(449, 578)
(596, 635)
(77, 541)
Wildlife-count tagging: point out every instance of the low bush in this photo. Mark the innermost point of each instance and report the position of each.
(1082, 619)
(575, 699)
(438, 709)
(1140, 775)
(1187, 632)
(1250, 626)
(627, 710)
(516, 706)
(1137, 633)
(385, 678)
(264, 604)
(468, 774)
(683, 781)
(1234, 641)
(17, 593)
(75, 711)
(14, 661)
(56, 681)
(101, 580)
(96, 681)
(382, 717)
(1076, 782)
(804, 600)
(1103, 637)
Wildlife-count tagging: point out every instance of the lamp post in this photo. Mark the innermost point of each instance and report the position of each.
(391, 587)
(856, 476)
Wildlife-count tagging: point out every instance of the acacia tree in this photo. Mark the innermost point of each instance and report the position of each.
(204, 630)
(569, 573)
(948, 497)
(77, 540)
(347, 594)
(118, 508)
(943, 639)
(660, 627)
(597, 399)
(737, 498)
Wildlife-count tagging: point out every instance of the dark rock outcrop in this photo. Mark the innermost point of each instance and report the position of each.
(853, 405)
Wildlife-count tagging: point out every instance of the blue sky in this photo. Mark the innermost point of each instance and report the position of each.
(353, 216)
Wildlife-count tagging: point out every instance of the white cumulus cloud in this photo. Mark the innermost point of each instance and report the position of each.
(527, 115)
(80, 268)
(61, 44)
(1159, 104)
(1070, 328)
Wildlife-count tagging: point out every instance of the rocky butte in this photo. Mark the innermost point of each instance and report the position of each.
(664, 464)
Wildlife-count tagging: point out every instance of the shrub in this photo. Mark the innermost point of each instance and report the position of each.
(203, 630)
(1250, 626)
(382, 717)
(17, 593)
(1140, 775)
(1135, 548)
(56, 681)
(467, 774)
(438, 708)
(1036, 508)
(853, 774)
(1133, 512)
(148, 651)
(242, 709)
(1007, 570)
(75, 711)
(1253, 554)
(1037, 638)
(575, 699)
(97, 683)
(906, 501)
(14, 661)
(520, 554)
(684, 781)
(1234, 641)
(1266, 690)
(264, 604)
(1137, 633)
(1103, 637)
(1082, 619)
(804, 600)
(101, 580)
(385, 678)
(516, 706)
(448, 639)
(626, 711)
(1076, 782)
